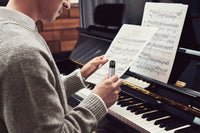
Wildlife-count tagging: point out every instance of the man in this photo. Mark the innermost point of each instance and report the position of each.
(33, 94)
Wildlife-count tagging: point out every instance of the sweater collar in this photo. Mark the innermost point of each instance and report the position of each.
(16, 16)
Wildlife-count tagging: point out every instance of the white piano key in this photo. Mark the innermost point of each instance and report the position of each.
(149, 126)
(136, 119)
(131, 119)
(155, 128)
(173, 130)
(128, 117)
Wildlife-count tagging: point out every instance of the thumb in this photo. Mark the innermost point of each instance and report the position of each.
(106, 76)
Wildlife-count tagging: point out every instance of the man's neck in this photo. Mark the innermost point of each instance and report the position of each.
(28, 7)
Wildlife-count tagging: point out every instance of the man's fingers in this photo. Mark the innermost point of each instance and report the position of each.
(106, 76)
(99, 61)
(101, 57)
(117, 83)
(118, 90)
(114, 78)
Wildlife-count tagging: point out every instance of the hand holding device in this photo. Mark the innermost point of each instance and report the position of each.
(108, 89)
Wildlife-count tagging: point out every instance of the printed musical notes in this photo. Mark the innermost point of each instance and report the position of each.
(125, 48)
(156, 60)
(149, 52)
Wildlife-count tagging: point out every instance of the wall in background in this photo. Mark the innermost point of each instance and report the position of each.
(61, 35)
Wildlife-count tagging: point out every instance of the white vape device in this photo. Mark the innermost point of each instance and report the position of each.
(111, 68)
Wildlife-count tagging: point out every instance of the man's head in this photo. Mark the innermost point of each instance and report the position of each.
(45, 10)
(50, 9)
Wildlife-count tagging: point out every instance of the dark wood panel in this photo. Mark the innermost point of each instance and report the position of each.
(61, 24)
(68, 45)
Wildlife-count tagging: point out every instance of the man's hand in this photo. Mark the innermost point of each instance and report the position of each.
(92, 66)
(108, 89)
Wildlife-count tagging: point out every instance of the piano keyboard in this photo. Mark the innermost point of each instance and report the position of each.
(144, 117)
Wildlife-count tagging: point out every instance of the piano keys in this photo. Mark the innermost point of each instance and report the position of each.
(143, 97)
(148, 106)
(145, 104)
(143, 116)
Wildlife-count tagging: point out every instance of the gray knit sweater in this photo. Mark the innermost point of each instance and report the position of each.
(33, 95)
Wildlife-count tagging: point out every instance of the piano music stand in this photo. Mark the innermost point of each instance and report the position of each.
(105, 17)
(3, 2)
(192, 69)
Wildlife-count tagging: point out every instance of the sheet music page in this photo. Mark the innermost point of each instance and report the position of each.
(157, 58)
(124, 49)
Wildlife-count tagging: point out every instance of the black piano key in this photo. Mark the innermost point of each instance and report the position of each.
(184, 130)
(124, 100)
(150, 114)
(141, 111)
(156, 116)
(133, 105)
(191, 129)
(126, 103)
(163, 121)
(144, 110)
(147, 108)
(174, 125)
(121, 97)
(167, 123)
(133, 109)
(195, 131)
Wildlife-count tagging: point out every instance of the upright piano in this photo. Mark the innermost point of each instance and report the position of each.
(145, 104)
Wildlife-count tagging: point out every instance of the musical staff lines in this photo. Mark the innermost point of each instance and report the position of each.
(165, 15)
(125, 48)
(157, 58)
(156, 70)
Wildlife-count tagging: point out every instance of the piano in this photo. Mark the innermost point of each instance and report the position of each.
(145, 104)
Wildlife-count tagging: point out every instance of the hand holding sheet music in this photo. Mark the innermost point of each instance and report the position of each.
(124, 49)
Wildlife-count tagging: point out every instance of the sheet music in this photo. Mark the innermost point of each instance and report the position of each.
(157, 58)
(124, 49)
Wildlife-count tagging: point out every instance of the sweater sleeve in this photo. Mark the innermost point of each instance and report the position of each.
(73, 82)
(33, 103)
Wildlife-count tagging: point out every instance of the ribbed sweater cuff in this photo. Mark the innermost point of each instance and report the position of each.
(95, 105)
(73, 80)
